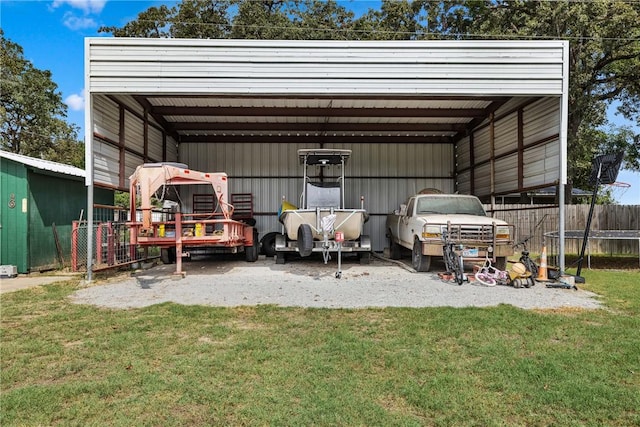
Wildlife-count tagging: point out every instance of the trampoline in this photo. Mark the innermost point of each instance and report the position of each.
(597, 235)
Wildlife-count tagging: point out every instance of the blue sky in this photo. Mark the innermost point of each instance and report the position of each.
(52, 34)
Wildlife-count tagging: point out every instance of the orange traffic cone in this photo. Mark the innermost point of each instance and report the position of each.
(542, 269)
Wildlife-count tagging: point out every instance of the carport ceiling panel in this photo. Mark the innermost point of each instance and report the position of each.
(247, 119)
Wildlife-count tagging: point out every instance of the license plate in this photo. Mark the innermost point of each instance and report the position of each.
(470, 252)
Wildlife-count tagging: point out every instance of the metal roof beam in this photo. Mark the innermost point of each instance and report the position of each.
(319, 112)
(321, 127)
(313, 139)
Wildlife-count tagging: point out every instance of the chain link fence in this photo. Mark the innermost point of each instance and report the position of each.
(111, 247)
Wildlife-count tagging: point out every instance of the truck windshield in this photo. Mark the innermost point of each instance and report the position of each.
(450, 205)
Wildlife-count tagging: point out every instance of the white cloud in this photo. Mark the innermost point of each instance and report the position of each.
(76, 23)
(75, 101)
(87, 6)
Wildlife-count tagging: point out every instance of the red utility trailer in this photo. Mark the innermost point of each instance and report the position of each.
(183, 232)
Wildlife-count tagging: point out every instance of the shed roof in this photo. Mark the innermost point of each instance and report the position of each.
(319, 92)
(45, 165)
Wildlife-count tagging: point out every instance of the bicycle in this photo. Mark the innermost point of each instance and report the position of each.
(453, 260)
(529, 264)
(488, 275)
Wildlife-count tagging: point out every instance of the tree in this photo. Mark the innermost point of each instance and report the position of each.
(323, 20)
(265, 19)
(203, 19)
(395, 20)
(154, 22)
(604, 61)
(258, 19)
(32, 112)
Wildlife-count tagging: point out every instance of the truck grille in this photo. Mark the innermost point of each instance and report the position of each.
(471, 233)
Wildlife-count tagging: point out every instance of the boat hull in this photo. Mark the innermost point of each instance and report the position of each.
(348, 221)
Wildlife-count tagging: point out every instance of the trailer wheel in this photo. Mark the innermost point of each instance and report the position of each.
(420, 262)
(305, 240)
(268, 244)
(168, 255)
(251, 252)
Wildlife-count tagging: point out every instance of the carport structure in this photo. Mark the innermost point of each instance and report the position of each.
(478, 117)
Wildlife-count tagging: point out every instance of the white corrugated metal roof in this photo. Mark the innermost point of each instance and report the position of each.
(43, 164)
(348, 68)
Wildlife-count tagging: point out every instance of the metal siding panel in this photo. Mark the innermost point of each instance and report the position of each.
(106, 159)
(130, 102)
(481, 141)
(511, 105)
(552, 163)
(533, 173)
(172, 150)
(541, 120)
(106, 117)
(260, 160)
(463, 153)
(318, 70)
(446, 156)
(133, 132)
(280, 160)
(155, 144)
(14, 246)
(131, 162)
(464, 182)
(506, 134)
(327, 87)
(274, 172)
(212, 66)
(69, 198)
(541, 164)
(506, 171)
(196, 157)
(482, 177)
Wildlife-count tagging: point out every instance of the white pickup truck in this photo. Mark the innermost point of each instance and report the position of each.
(419, 223)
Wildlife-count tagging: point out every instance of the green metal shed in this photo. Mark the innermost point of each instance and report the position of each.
(39, 200)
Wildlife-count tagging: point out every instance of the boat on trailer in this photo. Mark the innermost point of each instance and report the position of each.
(323, 223)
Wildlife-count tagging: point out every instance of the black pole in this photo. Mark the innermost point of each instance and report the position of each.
(588, 226)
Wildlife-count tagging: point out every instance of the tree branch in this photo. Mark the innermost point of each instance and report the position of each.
(604, 62)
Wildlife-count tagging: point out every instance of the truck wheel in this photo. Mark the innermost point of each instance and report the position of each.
(305, 240)
(251, 252)
(501, 263)
(168, 255)
(420, 262)
(268, 243)
(394, 248)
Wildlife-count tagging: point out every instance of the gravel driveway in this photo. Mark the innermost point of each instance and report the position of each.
(310, 283)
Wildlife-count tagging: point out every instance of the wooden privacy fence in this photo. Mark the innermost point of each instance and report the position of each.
(536, 221)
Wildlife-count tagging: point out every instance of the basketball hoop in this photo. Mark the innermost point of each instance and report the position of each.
(618, 189)
(619, 184)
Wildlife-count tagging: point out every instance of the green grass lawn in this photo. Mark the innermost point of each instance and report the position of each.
(67, 364)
